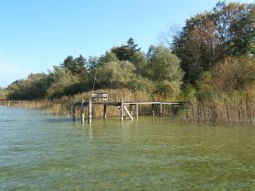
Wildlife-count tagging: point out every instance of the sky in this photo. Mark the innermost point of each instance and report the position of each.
(37, 34)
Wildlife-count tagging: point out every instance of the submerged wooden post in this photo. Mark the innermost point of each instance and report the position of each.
(73, 111)
(90, 111)
(153, 112)
(160, 109)
(82, 111)
(121, 110)
(136, 110)
(104, 111)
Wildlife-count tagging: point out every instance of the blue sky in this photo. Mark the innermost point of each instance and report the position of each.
(37, 34)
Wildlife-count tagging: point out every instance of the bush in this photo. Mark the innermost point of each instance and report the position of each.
(234, 73)
(64, 83)
(168, 89)
(34, 87)
(114, 74)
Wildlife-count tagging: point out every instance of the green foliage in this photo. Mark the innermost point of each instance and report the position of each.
(76, 66)
(142, 84)
(163, 65)
(125, 52)
(205, 89)
(188, 93)
(140, 62)
(168, 89)
(34, 87)
(114, 74)
(64, 83)
(3, 93)
(108, 57)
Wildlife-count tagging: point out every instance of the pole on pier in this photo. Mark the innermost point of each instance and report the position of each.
(121, 110)
(161, 109)
(104, 111)
(90, 111)
(82, 111)
(136, 111)
(73, 111)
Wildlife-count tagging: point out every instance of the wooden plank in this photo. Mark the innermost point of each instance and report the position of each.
(143, 103)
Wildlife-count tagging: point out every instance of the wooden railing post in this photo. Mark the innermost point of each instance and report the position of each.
(90, 111)
(73, 111)
(104, 111)
(121, 110)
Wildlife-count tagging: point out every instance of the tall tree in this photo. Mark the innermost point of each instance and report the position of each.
(207, 38)
(126, 51)
(76, 66)
(163, 65)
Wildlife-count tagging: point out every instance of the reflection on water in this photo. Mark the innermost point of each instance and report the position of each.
(46, 153)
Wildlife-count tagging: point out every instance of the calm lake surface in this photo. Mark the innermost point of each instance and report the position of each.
(38, 152)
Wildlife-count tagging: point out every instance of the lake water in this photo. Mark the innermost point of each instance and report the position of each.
(38, 152)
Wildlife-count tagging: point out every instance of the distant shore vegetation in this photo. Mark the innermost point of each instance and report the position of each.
(210, 62)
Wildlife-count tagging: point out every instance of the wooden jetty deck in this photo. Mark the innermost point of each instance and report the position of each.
(125, 108)
(10, 102)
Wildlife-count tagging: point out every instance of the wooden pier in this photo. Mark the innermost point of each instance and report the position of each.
(10, 102)
(125, 108)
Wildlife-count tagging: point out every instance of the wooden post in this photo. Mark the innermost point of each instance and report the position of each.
(161, 109)
(90, 111)
(136, 111)
(73, 111)
(121, 110)
(130, 109)
(104, 111)
(82, 111)
(153, 112)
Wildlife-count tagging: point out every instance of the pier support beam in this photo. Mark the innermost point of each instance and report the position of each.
(121, 110)
(82, 112)
(136, 110)
(73, 111)
(161, 109)
(104, 111)
(90, 111)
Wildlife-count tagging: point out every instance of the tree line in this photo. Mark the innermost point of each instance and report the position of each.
(213, 52)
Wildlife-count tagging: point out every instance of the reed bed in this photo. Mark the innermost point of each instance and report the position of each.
(233, 108)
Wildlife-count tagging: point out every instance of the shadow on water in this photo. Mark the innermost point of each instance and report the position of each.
(58, 120)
